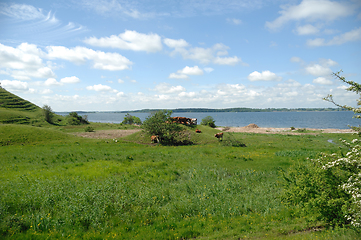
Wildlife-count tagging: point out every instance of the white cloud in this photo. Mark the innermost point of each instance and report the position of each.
(209, 55)
(101, 60)
(307, 30)
(24, 62)
(166, 88)
(172, 43)
(177, 76)
(21, 11)
(227, 60)
(321, 69)
(191, 71)
(264, 76)
(46, 91)
(322, 80)
(120, 81)
(310, 10)
(133, 81)
(183, 73)
(101, 88)
(208, 69)
(129, 40)
(234, 21)
(351, 36)
(72, 79)
(52, 82)
(296, 59)
(14, 85)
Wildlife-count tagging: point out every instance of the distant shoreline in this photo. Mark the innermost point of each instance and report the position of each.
(204, 110)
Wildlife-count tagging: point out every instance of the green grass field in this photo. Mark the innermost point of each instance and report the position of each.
(58, 186)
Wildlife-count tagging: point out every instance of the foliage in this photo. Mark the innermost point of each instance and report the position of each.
(160, 124)
(48, 113)
(129, 119)
(74, 119)
(89, 129)
(208, 121)
(330, 186)
(354, 87)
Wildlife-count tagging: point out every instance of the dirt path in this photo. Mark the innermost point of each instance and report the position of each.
(252, 128)
(106, 134)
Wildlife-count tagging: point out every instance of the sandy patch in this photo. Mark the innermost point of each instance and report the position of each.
(107, 134)
(253, 128)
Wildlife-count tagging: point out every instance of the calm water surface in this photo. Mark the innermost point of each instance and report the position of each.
(339, 120)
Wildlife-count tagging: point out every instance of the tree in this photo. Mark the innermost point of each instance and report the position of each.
(208, 121)
(129, 119)
(48, 114)
(338, 201)
(160, 124)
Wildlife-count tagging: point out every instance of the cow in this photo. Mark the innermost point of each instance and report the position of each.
(219, 135)
(154, 139)
(198, 131)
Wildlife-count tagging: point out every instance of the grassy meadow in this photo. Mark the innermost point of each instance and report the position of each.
(58, 186)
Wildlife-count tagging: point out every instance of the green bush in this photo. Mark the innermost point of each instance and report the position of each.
(89, 129)
(48, 114)
(329, 187)
(74, 119)
(129, 119)
(208, 121)
(160, 124)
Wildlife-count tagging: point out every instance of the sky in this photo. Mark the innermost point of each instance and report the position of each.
(119, 55)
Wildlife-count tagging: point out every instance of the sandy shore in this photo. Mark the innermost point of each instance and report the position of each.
(253, 128)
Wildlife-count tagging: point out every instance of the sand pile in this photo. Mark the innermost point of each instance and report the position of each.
(252, 125)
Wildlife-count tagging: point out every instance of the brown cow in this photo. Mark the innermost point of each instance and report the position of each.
(198, 131)
(154, 139)
(219, 135)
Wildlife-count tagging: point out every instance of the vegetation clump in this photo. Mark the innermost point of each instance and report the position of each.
(74, 119)
(208, 121)
(48, 114)
(328, 188)
(129, 119)
(161, 125)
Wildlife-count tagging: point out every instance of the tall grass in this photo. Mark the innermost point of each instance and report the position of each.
(97, 189)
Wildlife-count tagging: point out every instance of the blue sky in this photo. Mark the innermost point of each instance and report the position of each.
(112, 55)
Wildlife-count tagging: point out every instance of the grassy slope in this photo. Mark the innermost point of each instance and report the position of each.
(57, 186)
(16, 110)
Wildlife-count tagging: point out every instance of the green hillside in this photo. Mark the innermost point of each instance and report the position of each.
(14, 109)
(11, 101)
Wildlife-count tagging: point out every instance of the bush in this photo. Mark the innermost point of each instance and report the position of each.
(74, 119)
(48, 114)
(129, 119)
(329, 187)
(89, 129)
(160, 124)
(208, 121)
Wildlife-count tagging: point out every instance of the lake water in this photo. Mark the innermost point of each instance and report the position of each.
(338, 120)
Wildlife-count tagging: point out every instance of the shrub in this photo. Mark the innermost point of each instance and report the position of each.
(74, 119)
(129, 119)
(48, 113)
(329, 187)
(89, 129)
(208, 121)
(160, 124)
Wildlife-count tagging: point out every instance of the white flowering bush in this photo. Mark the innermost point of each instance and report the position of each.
(328, 188)
(350, 167)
